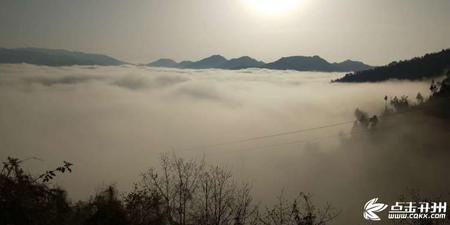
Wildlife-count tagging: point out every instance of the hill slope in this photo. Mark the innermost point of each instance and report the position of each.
(427, 66)
(54, 57)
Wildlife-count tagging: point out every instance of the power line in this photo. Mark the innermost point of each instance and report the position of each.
(312, 140)
(282, 144)
(272, 135)
(250, 139)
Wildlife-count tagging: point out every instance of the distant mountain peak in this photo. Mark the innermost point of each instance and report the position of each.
(214, 61)
(242, 62)
(245, 57)
(300, 63)
(163, 62)
(216, 57)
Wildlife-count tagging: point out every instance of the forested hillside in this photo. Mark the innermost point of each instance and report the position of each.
(427, 66)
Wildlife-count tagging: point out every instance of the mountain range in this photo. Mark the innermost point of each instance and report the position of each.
(212, 62)
(299, 63)
(58, 57)
(54, 57)
(428, 66)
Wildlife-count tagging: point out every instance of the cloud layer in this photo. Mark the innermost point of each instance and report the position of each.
(112, 122)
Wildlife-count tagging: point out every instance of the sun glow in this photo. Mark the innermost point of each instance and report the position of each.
(273, 6)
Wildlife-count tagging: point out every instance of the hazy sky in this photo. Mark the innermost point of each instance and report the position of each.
(375, 31)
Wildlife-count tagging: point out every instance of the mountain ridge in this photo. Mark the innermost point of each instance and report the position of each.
(299, 63)
(54, 57)
(60, 57)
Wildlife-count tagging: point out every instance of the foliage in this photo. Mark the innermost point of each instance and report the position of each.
(400, 104)
(420, 99)
(180, 192)
(364, 121)
(107, 209)
(28, 200)
(189, 192)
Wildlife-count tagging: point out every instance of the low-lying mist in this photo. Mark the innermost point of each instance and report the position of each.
(112, 123)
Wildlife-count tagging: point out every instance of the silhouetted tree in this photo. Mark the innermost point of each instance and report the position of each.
(420, 99)
(299, 211)
(144, 207)
(362, 118)
(221, 201)
(108, 209)
(181, 192)
(400, 104)
(176, 183)
(25, 199)
(189, 192)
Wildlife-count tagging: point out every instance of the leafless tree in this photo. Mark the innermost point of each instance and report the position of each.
(176, 182)
(299, 211)
(189, 192)
(221, 201)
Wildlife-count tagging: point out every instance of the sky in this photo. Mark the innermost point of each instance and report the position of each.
(139, 31)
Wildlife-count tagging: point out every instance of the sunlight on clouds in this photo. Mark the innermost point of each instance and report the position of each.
(103, 116)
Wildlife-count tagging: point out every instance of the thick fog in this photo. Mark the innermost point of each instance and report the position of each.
(113, 122)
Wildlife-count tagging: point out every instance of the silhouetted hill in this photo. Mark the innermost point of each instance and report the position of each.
(242, 63)
(300, 63)
(349, 65)
(163, 63)
(315, 63)
(184, 64)
(427, 66)
(214, 61)
(54, 57)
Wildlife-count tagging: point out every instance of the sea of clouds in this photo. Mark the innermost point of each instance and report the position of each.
(113, 122)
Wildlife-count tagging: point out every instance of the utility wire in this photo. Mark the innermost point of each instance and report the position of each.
(250, 139)
(272, 135)
(359, 132)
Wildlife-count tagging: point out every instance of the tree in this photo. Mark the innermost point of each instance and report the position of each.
(176, 183)
(108, 208)
(420, 99)
(186, 192)
(299, 211)
(144, 207)
(400, 104)
(25, 199)
(221, 201)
